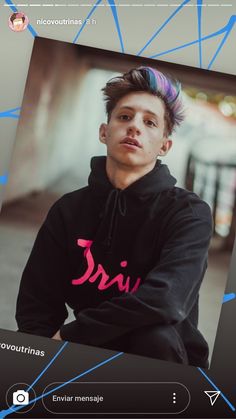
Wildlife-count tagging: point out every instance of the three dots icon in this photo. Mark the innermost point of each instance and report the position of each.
(174, 398)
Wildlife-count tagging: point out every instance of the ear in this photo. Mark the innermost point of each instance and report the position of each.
(166, 146)
(103, 133)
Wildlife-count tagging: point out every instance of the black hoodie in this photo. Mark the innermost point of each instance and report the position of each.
(121, 259)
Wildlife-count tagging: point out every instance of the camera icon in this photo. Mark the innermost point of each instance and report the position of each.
(20, 397)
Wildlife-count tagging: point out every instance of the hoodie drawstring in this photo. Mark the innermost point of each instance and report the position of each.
(119, 202)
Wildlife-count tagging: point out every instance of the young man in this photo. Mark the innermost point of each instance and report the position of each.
(129, 251)
(17, 22)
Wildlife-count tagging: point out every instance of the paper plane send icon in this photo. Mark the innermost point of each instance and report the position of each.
(213, 395)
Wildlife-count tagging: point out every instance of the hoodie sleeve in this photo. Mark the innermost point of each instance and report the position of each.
(41, 307)
(168, 292)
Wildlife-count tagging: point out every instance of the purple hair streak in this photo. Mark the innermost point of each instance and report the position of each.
(150, 80)
(169, 90)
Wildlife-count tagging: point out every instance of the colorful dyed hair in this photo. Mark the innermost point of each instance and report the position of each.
(17, 16)
(150, 80)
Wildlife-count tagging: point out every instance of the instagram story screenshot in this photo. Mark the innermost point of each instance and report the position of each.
(117, 222)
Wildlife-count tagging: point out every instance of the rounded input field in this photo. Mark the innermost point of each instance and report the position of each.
(117, 397)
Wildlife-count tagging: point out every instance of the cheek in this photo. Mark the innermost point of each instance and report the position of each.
(155, 140)
(153, 147)
(111, 137)
(114, 132)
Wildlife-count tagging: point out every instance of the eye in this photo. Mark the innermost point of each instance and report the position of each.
(150, 123)
(124, 117)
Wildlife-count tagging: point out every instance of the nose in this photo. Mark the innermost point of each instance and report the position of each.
(134, 127)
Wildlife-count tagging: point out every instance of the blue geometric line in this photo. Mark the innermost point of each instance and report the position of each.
(162, 26)
(48, 365)
(229, 297)
(14, 9)
(89, 15)
(230, 27)
(44, 370)
(114, 12)
(10, 113)
(199, 16)
(11, 5)
(4, 413)
(13, 110)
(216, 388)
(31, 29)
(4, 179)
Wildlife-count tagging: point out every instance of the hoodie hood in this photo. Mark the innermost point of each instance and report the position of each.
(124, 202)
(156, 181)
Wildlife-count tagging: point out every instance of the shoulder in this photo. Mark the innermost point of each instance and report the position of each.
(68, 205)
(189, 218)
(70, 200)
(186, 203)
(64, 212)
(197, 205)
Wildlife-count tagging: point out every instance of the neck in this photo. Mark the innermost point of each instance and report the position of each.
(121, 176)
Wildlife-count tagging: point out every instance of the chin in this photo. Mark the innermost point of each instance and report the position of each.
(127, 160)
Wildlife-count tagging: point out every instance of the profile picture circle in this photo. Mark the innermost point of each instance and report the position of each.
(18, 22)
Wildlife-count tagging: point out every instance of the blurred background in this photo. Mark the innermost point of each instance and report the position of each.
(58, 134)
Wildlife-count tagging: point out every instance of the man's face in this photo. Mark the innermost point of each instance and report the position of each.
(134, 135)
(18, 24)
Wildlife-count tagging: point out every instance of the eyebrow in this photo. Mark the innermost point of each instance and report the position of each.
(145, 110)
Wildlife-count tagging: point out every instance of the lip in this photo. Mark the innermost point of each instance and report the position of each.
(134, 143)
